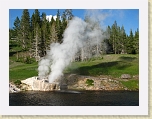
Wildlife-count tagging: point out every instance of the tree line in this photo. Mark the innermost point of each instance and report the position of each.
(121, 43)
(33, 35)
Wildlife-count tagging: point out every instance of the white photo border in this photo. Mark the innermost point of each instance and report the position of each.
(142, 109)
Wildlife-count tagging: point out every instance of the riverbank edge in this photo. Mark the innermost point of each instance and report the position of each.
(78, 82)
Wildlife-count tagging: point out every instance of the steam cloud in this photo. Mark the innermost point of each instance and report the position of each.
(75, 37)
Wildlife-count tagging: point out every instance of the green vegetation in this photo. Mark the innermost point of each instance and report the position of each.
(17, 82)
(33, 33)
(20, 71)
(131, 84)
(89, 82)
(112, 64)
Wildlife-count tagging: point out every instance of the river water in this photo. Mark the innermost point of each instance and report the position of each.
(74, 98)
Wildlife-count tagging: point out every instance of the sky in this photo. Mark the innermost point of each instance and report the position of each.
(129, 18)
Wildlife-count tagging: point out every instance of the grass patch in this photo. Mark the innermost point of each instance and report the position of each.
(22, 71)
(17, 82)
(113, 65)
(19, 70)
(131, 84)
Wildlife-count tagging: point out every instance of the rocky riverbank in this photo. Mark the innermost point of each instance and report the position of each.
(74, 82)
(102, 82)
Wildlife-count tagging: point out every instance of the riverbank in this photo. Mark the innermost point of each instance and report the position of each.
(79, 82)
(102, 82)
(13, 88)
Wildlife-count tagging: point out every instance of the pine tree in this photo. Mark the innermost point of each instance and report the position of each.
(16, 27)
(109, 40)
(36, 35)
(123, 40)
(48, 40)
(32, 32)
(130, 43)
(68, 13)
(119, 41)
(43, 45)
(25, 30)
(32, 25)
(58, 27)
(12, 34)
(15, 32)
(52, 21)
(53, 35)
(37, 17)
(63, 24)
(66, 16)
(36, 42)
(136, 41)
(114, 34)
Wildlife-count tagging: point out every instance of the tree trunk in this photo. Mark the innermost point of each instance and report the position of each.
(82, 54)
(17, 55)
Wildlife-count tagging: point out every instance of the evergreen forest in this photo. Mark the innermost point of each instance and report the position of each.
(30, 38)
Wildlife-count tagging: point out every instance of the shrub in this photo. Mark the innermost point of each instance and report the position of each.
(17, 82)
(26, 60)
(89, 82)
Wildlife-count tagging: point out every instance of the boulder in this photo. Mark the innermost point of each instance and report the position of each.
(125, 76)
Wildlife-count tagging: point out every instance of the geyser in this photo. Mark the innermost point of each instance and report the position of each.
(77, 34)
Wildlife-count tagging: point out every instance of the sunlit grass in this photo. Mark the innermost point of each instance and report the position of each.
(113, 65)
(23, 71)
(131, 84)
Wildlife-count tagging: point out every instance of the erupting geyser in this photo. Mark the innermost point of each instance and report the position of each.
(75, 37)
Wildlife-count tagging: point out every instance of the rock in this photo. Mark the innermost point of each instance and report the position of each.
(13, 88)
(36, 84)
(136, 77)
(74, 81)
(115, 81)
(25, 87)
(125, 76)
(103, 78)
(29, 81)
(110, 80)
(63, 87)
(105, 81)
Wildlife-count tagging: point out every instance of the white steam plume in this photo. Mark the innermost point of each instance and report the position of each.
(76, 35)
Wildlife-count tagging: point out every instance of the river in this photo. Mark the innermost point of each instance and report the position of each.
(74, 98)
